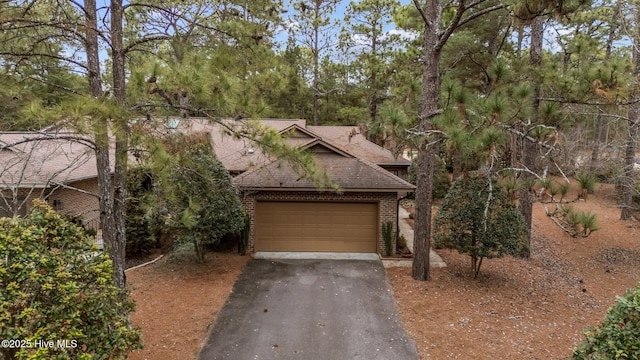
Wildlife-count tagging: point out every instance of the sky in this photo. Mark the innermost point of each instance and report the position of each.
(281, 37)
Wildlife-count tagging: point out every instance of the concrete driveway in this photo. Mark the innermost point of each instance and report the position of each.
(310, 309)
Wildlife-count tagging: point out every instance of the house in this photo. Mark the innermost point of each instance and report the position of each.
(49, 166)
(288, 212)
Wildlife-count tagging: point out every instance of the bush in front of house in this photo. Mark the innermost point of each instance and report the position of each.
(618, 336)
(55, 288)
(202, 202)
(477, 218)
(140, 237)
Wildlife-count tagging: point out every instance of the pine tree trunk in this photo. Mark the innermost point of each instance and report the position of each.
(427, 151)
(528, 147)
(597, 142)
(316, 65)
(630, 151)
(118, 245)
(101, 130)
(456, 163)
(629, 160)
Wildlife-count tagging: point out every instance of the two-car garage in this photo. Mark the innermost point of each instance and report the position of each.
(309, 226)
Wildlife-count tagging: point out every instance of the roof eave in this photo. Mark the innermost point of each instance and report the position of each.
(306, 189)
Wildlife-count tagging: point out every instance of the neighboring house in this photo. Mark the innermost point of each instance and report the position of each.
(288, 212)
(48, 166)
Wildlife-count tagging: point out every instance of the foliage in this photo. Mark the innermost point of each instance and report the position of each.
(203, 204)
(576, 222)
(55, 286)
(587, 182)
(387, 229)
(476, 218)
(441, 179)
(618, 336)
(140, 237)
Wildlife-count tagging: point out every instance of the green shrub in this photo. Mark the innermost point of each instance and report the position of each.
(387, 232)
(479, 220)
(140, 238)
(587, 182)
(618, 336)
(203, 204)
(55, 286)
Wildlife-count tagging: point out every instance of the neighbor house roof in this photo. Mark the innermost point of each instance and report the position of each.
(40, 159)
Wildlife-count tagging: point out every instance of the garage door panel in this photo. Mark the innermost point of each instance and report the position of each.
(316, 226)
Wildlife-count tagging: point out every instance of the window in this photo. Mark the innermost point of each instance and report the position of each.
(57, 205)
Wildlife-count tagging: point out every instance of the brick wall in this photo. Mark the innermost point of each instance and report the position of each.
(387, 206)
(73, 202)
(66, 201)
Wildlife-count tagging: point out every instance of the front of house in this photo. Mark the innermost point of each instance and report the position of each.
(289, 213)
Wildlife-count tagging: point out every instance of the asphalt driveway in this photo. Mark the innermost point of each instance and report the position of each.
(310, 309)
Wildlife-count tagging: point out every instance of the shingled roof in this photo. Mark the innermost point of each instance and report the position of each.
(350, 139)
(239, 155)
(348, 172)
(31, 159)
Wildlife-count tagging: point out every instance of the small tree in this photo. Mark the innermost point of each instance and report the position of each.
(140, 237)
(202, 201)
(618, 337)
(54, 286)
(477, 219)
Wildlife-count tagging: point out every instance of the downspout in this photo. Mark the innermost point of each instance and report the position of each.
(398, 216)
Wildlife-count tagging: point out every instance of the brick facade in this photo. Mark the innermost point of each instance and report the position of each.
(387, 206)
(65, 200)
(83, 203)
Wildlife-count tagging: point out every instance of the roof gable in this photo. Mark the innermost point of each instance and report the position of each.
(351, 139)
(348, 173)
(297, 132)
(320, 146)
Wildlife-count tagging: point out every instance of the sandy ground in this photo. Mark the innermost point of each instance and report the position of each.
(516, 309)
(523, 309)
(177, 300)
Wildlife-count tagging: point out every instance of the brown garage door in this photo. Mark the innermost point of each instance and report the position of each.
(316, 226)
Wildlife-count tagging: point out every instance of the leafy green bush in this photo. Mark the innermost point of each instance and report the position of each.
(478, 219)
(387, 230)
(618, 337)
(54, 286)
(140, 238)
(203, 204)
